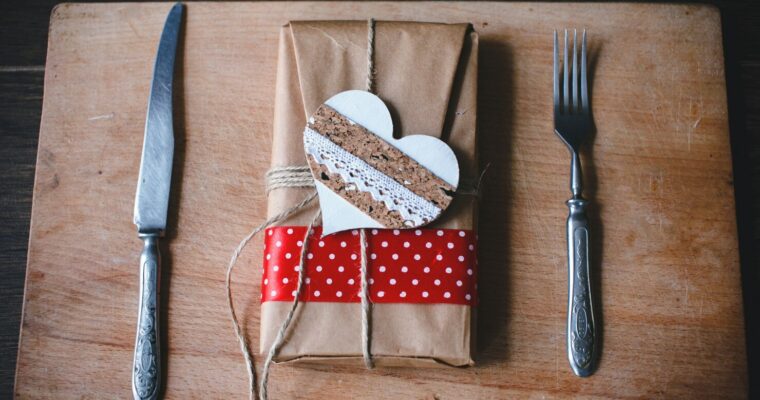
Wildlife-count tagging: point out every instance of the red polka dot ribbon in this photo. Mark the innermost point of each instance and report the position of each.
(425, 266)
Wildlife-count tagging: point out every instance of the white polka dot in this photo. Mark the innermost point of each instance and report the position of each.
(373, 256)
(382, 268)
(392, 281)
(329, 281)
(299, 243)
(308, 281)
(310, 256)
(440, 232)
(374, 231)
(331, 256)
(351, 281)
(380, 294)
(437, 282)
(278, 244)
(469, 271)
(319, 268)
(448, 270)
(396, 232)
(460, 258)
(402, 294)
(417, 257)
(273, 293)
(371, 281)
(471, 247)
(407, 244)
(266, 281)
(426, 270)
(276, 268)
(340, 294)
(316, 293)
(459, 283)
(290, 231)
(461, 233)
(467, 296)
(394, 256)
(321, 243)
(425, 294)
(446, 294)
(343, 244)
(284, 280)
(384, 244)
(404, 269)
(418, 232)
(288, 255)
(297, 268)
(439, 257)
(270, 232)
(341, 269)
(269, 256)
(293, 293)
(415, 282)
(450, 245)
(354, 232)
(428, 245)
(354, 256)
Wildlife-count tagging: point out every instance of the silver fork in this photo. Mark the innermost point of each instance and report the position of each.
(573, 124)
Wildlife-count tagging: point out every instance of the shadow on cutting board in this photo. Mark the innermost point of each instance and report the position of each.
(495, 126)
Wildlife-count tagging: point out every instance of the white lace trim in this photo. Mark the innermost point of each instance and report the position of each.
(415, 210)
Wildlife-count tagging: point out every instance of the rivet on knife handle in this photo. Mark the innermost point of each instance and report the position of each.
(146, 367)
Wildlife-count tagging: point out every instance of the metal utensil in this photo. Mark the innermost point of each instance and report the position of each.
(151, 206)
(573, 124)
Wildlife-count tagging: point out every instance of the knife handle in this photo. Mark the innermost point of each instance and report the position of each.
(581, 329)
(146, 367)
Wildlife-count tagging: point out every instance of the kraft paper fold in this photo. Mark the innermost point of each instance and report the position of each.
(427, 75)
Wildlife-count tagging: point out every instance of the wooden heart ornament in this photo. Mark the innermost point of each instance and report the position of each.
(367, 179)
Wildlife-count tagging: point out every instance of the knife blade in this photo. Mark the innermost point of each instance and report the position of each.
(151, 208)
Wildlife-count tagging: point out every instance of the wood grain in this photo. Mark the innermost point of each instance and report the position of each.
(659, 172)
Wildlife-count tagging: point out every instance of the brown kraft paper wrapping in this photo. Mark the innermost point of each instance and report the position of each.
(427, 75)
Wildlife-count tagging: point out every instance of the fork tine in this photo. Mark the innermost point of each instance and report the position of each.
(584, 87)
(556, 74)
(576, 106)
(565, 81)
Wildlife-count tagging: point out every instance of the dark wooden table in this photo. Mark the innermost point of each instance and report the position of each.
(23, 35)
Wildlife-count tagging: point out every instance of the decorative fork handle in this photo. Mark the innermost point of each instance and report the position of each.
(146, 367)
(581, 329)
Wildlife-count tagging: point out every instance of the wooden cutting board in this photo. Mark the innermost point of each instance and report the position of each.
(659, 173)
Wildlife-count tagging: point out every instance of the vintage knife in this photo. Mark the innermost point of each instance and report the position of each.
(151, 204)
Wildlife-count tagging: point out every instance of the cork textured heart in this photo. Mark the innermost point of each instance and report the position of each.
(367, 179)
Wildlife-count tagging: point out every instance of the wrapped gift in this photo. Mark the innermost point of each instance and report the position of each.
(423, 286)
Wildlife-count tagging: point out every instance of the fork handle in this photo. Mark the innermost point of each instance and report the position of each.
(581, 329)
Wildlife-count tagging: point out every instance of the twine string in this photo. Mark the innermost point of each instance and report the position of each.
(370, 84)
(244, 348)
(296, 176)
(280, 338)
(299, 176)
(366, 305)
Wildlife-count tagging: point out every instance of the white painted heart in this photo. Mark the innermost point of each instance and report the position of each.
(367, 179)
